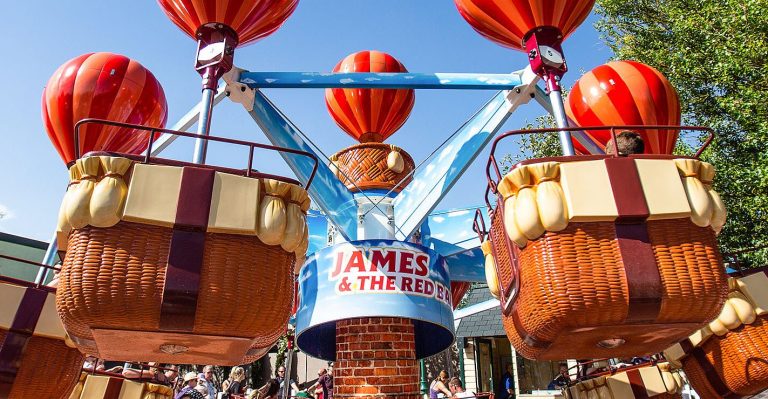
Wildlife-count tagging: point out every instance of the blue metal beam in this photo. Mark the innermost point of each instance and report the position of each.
(326, 190)
(434, 179)
(319, 80)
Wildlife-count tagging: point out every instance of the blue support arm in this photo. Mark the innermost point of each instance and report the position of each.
(434, 179)
(326, 189)
(320, 80)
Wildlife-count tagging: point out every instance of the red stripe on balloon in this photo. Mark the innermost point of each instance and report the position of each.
(620, 96)
(65, 100)
(105, 92)
(659, 91)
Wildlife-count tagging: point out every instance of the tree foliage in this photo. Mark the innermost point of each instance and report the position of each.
(714, 53)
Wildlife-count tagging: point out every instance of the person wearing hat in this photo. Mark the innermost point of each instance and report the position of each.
(189, 391)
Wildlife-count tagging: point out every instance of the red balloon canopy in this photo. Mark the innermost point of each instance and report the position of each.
(370, 115)
(251, 19)
(626, 93)
(458, 289)
(104, 86)
(506, 22)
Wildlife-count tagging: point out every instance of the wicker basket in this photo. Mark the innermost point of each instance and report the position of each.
(101, 385)
(365, 166)
(732, 366)
(649, 380)
(48, 369)
(573, 295)
(112, 283)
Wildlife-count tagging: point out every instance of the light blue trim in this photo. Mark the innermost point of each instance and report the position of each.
(326, 189)
(319, 80)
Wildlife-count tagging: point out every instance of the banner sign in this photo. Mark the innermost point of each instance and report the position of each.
(381, 278)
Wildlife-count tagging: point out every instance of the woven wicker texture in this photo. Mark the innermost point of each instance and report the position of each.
(365, 165)
(740, 358)
(113, 278)
(49, 369)
(575, 279)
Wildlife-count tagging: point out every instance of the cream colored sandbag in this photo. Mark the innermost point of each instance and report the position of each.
(273, 215)
(728, 316)
(717, 327)
(698, 197)
(395, 161)
(510, 224)
(63, 225)
(550, 198)
(526, 209)
(677, 377)
(301, 252)
(109, 194)
(295, 223)
(333, 166)
(744, 310)
(719, 213)
(490, 269)
(669, 380)
(78, 203)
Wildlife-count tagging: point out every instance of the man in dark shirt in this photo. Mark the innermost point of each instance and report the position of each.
(507, 388)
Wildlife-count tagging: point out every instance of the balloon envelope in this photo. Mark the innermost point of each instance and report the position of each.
(458, 289)
(370, 114)
(626, 93)
(251, 19)
(507, 21)
(104, 86)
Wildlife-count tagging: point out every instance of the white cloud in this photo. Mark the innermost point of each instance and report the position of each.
(5, 213)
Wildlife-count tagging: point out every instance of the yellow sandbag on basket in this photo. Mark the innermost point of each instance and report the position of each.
(109, 194)
(273, 214)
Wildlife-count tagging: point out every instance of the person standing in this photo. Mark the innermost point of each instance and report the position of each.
(189, 391)
(323, 388)
(507, 388)
(281, 379)
(235, 384)
(209, 385)
(438, 388)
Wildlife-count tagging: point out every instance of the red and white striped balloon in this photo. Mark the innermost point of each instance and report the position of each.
(251, 19)
(507, 21)
(104, 86)
(626, 93)
(370, 115)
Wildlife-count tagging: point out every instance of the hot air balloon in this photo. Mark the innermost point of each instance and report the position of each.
(105, 86)
(219, 26)
(537, 27)
(510, 22)
(249, 20)
(458, 289)
(626, 93)
(369, 115)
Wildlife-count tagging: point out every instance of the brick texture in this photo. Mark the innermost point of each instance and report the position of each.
(375, 358)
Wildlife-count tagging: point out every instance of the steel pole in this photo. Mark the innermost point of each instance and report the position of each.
(558, 111)
(204, 125)
(423, 381)
(48, 259)
(288, 370)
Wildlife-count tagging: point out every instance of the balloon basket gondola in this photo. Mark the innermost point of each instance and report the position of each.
(162, 254)
(727, 358)
(31, 344)
(373, 166)
(604, 255)
(99, 384)
(656, 380)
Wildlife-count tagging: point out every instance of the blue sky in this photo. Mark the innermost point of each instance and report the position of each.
(426, 35)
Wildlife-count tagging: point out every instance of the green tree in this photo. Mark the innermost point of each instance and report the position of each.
(714, 53)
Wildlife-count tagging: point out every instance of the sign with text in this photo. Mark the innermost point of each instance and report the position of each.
(381, 278)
